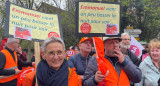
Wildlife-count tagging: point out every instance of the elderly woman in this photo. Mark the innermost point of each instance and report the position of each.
(53, 70)
(149, 67)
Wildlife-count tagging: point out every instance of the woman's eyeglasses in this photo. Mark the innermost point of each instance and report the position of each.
(53, 53)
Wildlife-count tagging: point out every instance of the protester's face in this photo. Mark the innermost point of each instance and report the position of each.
(144, 46)
(85, 46)
(110, 46)
(125, 43)
(19, 49)
(155, 53)
(93, 49)
(54, 55)
(76, 51)
(16, 44)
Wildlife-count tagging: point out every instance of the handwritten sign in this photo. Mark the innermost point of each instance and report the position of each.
(29, 24)
(98, 19)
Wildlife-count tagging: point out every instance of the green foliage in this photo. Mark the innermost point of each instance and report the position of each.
(24, 44)
(69, 27)
(145, 16)
(2, 18)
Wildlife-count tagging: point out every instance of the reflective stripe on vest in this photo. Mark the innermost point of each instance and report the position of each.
(10, 64)
(15, 67)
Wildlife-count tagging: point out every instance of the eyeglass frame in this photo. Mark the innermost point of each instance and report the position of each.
(54, 53)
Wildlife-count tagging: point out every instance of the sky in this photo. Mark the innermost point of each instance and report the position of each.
(51, 2)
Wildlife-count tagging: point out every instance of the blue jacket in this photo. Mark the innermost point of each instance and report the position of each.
(79, 62)
(150, 74)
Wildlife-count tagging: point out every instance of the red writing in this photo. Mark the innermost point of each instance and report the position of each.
(92, 8)
(25, 13)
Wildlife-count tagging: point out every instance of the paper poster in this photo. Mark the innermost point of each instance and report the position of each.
(98, 19)
(30, 24)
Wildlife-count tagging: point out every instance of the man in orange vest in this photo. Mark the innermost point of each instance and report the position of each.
(110, 67)
(9, 63)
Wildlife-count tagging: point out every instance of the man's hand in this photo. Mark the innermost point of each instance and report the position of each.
(33, 63)
(99, 77)
(17, 71)
(82, 76)
(19, 50)
(119, 54)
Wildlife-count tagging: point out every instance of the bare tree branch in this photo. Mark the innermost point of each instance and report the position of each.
(56, 3)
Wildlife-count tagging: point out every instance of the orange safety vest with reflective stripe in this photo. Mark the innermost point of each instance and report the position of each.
(73, 78)
(10, 64)
(112, 78)
(104, 65)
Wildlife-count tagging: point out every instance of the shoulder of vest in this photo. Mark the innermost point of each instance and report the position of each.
(4, 50)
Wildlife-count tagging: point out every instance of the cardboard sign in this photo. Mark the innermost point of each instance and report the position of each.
(98, 19)
(30, 24)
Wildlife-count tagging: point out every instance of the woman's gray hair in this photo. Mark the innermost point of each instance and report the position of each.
(11, 40)
(51, 40)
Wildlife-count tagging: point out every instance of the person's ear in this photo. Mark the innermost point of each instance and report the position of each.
(43, 55)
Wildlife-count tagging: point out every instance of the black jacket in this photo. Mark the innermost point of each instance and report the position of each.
(133, 57)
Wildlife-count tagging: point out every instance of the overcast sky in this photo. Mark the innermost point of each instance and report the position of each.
(51, 2)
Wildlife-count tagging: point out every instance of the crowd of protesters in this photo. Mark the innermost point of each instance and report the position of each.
(104, 62)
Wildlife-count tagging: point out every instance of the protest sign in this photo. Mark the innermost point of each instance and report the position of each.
(29, 24)
(98, 19)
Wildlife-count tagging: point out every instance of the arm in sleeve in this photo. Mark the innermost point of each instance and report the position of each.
(71, 62)
(23, 56)
(141, 83)
(3, 71)
(23, 63)
(133, 72)
(135, 59)
(89, 74)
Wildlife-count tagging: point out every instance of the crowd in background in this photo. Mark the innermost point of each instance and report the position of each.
(86, 64)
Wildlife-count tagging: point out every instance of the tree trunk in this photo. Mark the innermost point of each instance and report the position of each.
(29, 51)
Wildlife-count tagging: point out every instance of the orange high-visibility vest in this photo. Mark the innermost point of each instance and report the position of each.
(112, 78)
(10, 64)
(28, 80)
(73, 78)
